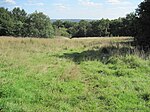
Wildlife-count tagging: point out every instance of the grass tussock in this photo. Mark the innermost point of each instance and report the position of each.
(102, 74)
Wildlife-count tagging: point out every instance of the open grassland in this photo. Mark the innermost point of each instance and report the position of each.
(73, 75)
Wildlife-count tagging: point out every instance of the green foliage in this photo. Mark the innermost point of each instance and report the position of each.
(124, 26)
(58, 24)
(39, 25)
(61, 32)
(18, 23)
(68, 24)
(6, 22)
(66, 28)
(130, 24)
(143, 37)
(20, 17)
(100, 28)
(82, 29)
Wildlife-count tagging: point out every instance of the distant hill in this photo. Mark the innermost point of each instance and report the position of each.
(71, 20)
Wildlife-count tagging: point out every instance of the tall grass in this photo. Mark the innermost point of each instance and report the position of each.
(50, 75)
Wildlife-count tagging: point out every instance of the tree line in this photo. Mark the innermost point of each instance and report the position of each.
(20, 24)
(97, 28)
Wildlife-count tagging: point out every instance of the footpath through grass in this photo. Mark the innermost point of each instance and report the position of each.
(62, 75)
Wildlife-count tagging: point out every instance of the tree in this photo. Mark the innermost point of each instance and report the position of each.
(6, 22)
(61, 32)
(82, 29)
(58, 24)
(68, 24)
(130, 27)
(39, 25)
(99, 28)
(20, 17)
(116, 27)
(73, 30)
(143, 37)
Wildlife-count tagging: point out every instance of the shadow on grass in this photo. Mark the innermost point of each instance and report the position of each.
(101, 54)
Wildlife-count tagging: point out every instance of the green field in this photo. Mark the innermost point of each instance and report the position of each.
(73, 75)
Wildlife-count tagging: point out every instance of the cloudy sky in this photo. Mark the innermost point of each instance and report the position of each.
(75, 9)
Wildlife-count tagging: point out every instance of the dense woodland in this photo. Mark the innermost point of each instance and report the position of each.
(20, 24)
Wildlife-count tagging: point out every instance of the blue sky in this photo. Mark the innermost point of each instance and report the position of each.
(75, 9)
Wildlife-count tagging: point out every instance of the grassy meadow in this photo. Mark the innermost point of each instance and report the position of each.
(73, 75)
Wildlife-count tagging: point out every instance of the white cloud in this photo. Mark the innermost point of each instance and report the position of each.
(89, 3)
(119, 2)
(114, 1)
(61, 7)
(35, 4)
(39, 4)
(10, 1)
